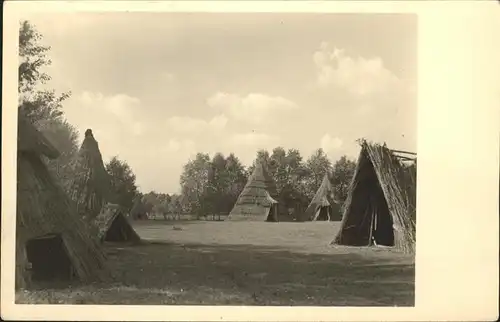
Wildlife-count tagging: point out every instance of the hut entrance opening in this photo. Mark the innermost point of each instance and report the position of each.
(371, 221)
(379, 225)
(273, 213)
(49, 259)
(323, 214)
(382, 232)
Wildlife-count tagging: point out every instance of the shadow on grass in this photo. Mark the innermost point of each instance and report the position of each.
(257, 275)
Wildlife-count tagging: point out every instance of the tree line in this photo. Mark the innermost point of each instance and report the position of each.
(209, 185)
(212, 186)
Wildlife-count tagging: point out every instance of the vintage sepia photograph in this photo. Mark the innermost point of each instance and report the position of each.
(190, 158)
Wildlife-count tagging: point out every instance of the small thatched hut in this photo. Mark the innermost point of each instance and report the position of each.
(380, 206)
(255, 202)
(91, 186)
(52, 242)
(323, 206)
(113, 226)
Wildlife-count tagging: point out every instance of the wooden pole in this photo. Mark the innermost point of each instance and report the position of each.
(370, 213)
(405, 158)
(373, 217)
(405, 152)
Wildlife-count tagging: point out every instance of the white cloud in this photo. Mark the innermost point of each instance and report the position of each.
(253, 108)
(118, 123)
(259, 140)
(165, 156)
(186, 125)
(364, 110)
(177, 145)
(168, 77)
(329, 143)
(246, 145)
(357, 75)
(218, 122)
(102, 112)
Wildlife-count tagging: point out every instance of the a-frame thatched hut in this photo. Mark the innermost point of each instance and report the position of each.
(256, 202)
(91, 186)
(380, 206)
(52, 242)
(113, 226)
(323, 206)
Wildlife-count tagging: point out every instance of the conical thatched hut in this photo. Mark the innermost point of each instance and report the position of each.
(113, 226)
(91, 186)
(256, 202)
(52, 242)
(323, 206)
(380, 206)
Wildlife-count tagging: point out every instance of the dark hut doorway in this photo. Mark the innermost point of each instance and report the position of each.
(273, 213)
(120, 230)
(323, 214)
(369, 220)
(382, 232)
(49, 259)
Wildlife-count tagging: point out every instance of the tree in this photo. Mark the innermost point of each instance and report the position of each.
(343, 170)
(317, 165)
(263, 157)
(32, 57)
(161, 208)
(122, 182)
(138, 210)
(36, 104)
(217, 185)
(65, 138)
(278, 168)
(43, 107)
(194, 180)
(225, 182)
(290, 175)
(236, 181)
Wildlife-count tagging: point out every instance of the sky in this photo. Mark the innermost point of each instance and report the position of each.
(156, 88)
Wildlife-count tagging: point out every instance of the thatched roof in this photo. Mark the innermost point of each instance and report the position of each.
(382, 185)
(91, 186)
(43, 208)
(30, 140)
(324, 197)
(255, 199)
(113, 225)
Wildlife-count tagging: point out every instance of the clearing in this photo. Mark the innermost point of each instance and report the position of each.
(243, 263)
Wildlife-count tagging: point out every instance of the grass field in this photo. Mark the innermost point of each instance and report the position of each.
(232, 263)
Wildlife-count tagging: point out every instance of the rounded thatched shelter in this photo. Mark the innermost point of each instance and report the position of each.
(52, 242)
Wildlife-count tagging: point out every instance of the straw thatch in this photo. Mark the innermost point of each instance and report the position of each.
(323, 205)
(51, 240)
(255, 202)
(91, 186)
(113, 226)
(380, 206)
